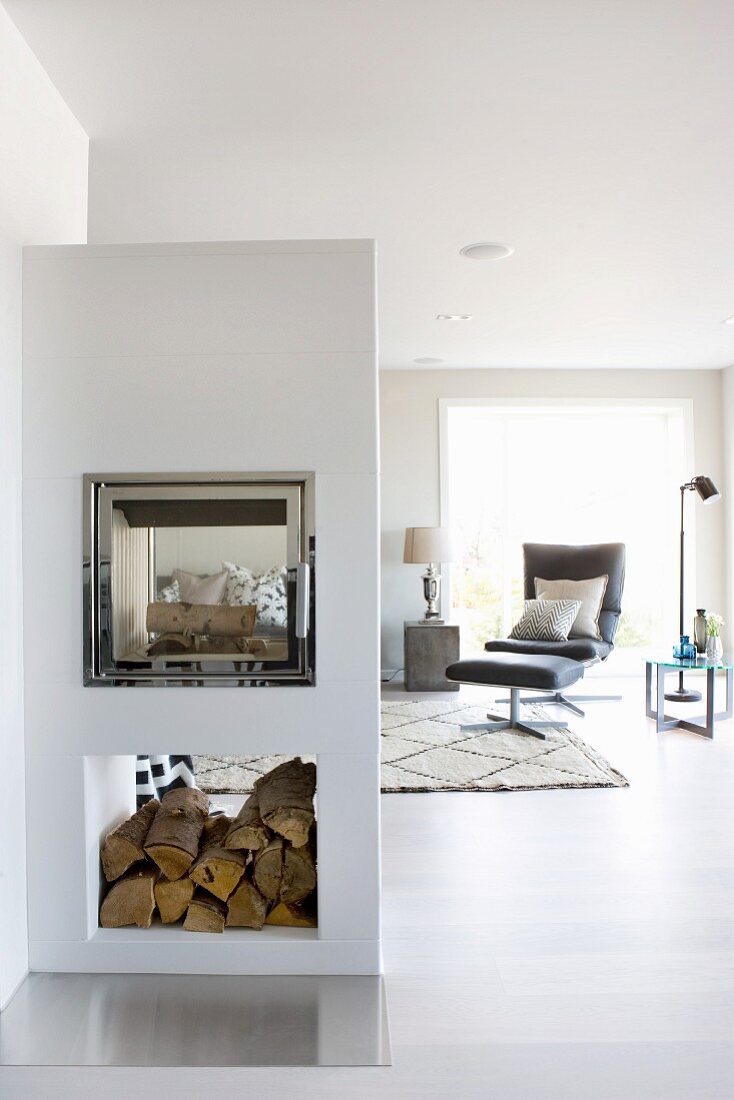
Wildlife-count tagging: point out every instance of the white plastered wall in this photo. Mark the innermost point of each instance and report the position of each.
(43, 198)
(255, 356)
(204, 549)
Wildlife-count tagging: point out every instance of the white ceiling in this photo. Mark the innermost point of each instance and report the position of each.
(594, 137)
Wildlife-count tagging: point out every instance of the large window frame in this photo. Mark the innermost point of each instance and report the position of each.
(681, 408)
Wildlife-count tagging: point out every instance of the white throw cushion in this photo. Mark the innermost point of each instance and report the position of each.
(266, 590)
(201, 589)
(546, 620)
(589, 592)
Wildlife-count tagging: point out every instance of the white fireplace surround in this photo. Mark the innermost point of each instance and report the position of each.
(235, 356)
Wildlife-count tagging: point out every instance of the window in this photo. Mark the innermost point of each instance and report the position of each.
(554, 472)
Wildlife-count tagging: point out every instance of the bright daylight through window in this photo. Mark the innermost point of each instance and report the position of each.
(565, 473)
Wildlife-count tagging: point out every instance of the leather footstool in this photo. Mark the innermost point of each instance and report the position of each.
(518, 672)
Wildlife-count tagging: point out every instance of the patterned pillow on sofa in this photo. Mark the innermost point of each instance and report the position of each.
(272, 603)
(266, 590)
(170, 594)
(241, 586)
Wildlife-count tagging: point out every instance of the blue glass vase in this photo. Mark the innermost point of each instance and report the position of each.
(684, 650)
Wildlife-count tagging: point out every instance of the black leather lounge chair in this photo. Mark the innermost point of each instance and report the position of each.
(554, 562)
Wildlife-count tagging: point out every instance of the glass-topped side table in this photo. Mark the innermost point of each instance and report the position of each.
(703, 725)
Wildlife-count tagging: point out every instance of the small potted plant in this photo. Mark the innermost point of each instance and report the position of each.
(714, 648)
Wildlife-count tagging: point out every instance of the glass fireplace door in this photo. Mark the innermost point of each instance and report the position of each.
(199, 580)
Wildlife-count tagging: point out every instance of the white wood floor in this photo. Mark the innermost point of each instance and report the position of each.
(555, 944)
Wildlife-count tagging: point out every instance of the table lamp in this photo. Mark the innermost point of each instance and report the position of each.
(429, 546)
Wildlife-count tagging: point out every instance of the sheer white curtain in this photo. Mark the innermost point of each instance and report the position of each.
(592, 472)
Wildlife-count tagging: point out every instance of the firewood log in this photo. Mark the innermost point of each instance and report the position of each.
(124, 845)
(299, 870)
(130, 900)
(216, 868)
(172, 898)
(294, 914)
(284, 873)
(247, 829)
(215, 830)
(268, 868)
(167, 645)
(285, 796)
(205, 913)
(201, 618)
(173, 838)
(247, 908)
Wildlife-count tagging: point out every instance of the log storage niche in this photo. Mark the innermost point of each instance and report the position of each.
(176, 863)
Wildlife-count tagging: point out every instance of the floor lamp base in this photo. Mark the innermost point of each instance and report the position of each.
(683, 695)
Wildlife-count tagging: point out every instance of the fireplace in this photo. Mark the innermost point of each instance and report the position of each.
(243, 356)
(199, 579)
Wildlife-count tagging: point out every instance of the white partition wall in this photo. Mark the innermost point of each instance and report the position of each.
(232, 357)
(43, 197)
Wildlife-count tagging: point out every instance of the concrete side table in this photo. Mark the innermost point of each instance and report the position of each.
(429, 648)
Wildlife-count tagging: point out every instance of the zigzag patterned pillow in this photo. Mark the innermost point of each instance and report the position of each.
(546, 620)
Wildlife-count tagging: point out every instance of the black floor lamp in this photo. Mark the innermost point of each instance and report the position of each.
(708, 492)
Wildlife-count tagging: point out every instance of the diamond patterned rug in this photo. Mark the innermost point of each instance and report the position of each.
(424, 749)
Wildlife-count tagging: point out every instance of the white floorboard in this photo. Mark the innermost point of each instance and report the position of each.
(556, 944)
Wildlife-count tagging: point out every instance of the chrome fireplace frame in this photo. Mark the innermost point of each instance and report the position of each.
(294, 492)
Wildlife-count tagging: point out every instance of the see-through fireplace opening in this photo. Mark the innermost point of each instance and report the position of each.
(199, 579)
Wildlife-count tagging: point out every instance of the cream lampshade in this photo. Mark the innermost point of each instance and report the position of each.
(429, 546)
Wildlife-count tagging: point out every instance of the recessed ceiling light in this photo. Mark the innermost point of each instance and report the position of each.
(453, 316)
(728, 320)
(487, 250)
(428, 361)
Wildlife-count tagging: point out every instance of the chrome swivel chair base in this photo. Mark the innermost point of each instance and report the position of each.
(568, 701)
(534, 727)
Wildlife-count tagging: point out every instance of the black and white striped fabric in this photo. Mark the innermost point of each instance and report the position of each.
(156, 775)
(546, 620)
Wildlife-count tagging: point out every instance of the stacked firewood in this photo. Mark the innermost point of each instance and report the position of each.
(214, 872)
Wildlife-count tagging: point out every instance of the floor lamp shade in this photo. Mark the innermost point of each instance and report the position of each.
(705, 488)
(427, 544)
